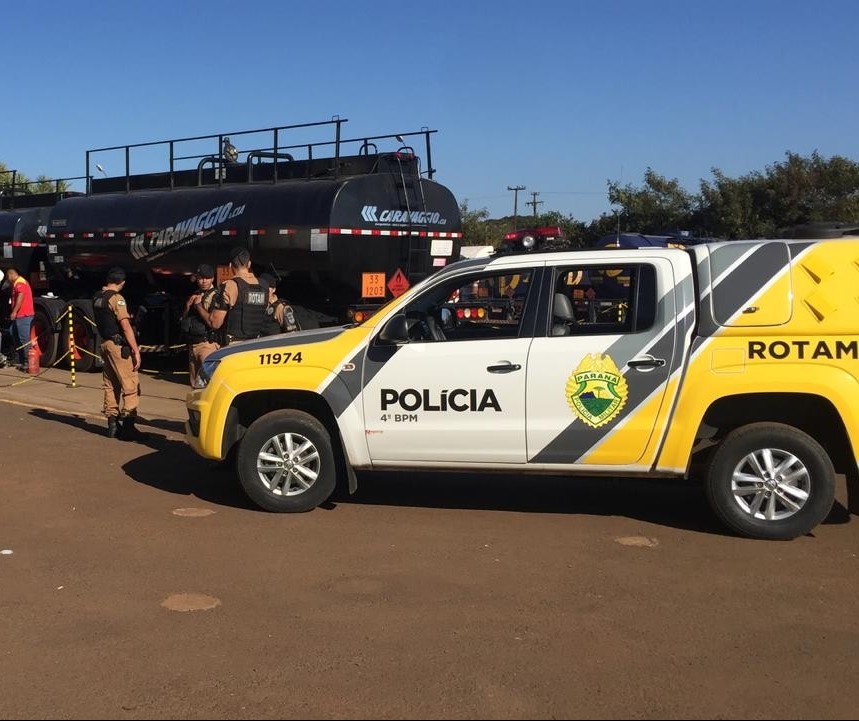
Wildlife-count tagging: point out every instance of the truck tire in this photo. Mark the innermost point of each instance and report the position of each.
(770, 481)
(286, 463)
(44, 338)
(86, 338)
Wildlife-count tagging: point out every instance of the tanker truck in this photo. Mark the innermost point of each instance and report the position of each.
(344, 224)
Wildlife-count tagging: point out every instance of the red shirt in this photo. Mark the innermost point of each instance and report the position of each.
(22, 288)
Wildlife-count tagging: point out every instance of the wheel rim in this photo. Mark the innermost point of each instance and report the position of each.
(288, 464)
(771, 484)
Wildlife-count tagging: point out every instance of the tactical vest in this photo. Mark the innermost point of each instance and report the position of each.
(105, 319)
(245, 319)
(198, 331)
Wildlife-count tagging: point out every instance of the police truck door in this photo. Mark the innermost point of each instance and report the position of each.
(454, 393)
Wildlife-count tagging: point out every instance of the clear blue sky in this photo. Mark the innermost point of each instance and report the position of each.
(559, 96)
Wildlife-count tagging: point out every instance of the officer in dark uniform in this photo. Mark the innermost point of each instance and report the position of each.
(121, 357)
(196, 319)
(239, 308)
(279, 316)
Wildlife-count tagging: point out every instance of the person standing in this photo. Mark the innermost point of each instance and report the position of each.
(121, 357)
(279, 316)
(196, 320)
(3, 360)
(21, 315)
(239, 308)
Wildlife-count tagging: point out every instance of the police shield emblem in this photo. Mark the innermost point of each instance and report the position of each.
(596, 391)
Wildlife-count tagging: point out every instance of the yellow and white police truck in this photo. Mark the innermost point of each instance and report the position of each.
(734, 364)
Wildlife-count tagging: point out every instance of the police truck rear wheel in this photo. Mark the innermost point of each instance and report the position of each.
(770, 481)
(286, 463)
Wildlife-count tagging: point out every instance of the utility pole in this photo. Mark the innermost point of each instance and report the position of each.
(534, 203)
(515, 189)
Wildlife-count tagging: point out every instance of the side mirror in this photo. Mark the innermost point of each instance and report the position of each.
(396, 330)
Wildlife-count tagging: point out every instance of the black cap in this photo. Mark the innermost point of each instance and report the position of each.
(115, 275)
(204, 271)
(268, 280)
(239, 256)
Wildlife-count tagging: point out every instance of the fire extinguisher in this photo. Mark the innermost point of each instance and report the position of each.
(33, 360)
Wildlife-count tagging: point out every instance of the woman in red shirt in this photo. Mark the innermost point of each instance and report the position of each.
(21, 315)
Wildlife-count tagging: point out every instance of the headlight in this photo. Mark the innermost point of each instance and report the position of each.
(206, 372)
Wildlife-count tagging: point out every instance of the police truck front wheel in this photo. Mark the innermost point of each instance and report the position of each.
(286, 463)
(770, 481)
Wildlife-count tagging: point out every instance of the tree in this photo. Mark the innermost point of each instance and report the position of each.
(797, 191)
(475, 230)
(42, 184)
(658, 206)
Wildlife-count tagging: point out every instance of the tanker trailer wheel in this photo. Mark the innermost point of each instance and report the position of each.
(286, 463)
(85, 337)
(770, 481)
(44, 339)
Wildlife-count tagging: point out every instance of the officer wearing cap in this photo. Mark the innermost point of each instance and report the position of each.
(121, 357)
(279, 316)
(196, 321)
(239, 307)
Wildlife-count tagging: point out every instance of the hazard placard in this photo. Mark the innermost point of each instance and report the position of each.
(372, 285)
(398, 284)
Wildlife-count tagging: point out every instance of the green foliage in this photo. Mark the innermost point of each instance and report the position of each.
(42, 184)
(760, 204)
(657, 206)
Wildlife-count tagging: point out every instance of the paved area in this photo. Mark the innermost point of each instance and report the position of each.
(163, 390)
(136, 581)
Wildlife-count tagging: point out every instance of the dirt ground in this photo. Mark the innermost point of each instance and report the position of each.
(136, 581)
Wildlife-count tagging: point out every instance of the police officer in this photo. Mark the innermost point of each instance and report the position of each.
(279, 316)
(239, 308)
(196, 320)
(121, 357)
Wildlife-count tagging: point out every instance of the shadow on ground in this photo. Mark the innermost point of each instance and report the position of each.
(665, 502)
(171, 465)
(175, 468)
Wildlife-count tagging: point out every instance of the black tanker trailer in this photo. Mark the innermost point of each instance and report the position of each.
(344, 226)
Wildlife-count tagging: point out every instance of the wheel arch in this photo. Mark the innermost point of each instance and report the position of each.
(814, 415)
(249, 406)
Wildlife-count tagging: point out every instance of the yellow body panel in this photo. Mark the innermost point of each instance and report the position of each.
(814, 353)
(246, 371)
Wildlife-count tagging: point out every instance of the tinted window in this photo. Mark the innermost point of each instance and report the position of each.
(603, 299)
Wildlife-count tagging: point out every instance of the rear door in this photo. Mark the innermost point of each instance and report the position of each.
(598, 373)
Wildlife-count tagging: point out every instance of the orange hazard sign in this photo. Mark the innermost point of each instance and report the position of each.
(398, 284)
(372, 285)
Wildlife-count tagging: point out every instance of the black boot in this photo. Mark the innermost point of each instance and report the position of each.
(129, 431)
(112, 427)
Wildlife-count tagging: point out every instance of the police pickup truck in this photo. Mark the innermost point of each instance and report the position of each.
(732, 364)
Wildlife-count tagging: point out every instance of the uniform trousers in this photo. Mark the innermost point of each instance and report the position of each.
(121, 383)
(197, 353)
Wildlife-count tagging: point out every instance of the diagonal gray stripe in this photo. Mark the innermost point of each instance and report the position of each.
(579, 439)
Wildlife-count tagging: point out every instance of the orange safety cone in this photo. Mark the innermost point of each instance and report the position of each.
(33, 360)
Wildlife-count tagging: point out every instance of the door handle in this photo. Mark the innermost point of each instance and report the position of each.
(505, 367)
(646, 362)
